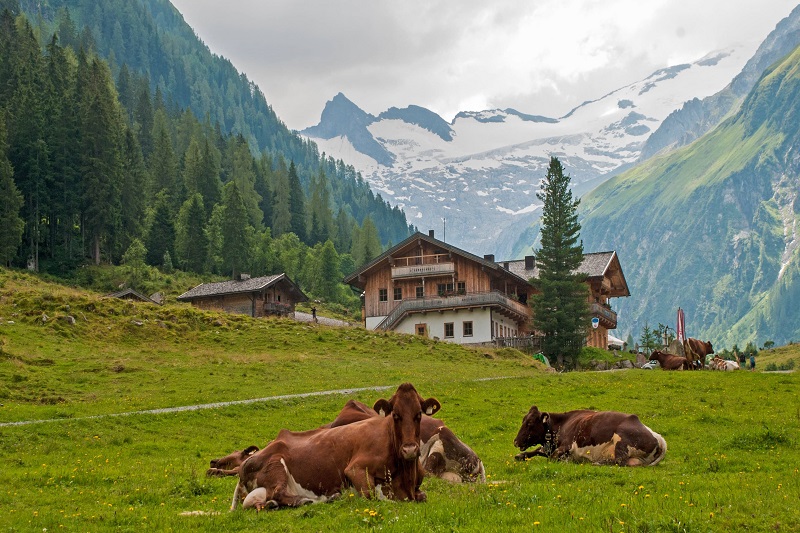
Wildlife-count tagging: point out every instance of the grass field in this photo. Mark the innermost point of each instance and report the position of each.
(731, 465)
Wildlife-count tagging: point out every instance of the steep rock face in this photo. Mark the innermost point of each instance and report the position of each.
(342, 118)
(697, 117)
(483, 169)
(712, 227)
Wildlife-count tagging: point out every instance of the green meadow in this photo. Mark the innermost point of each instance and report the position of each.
(83, 449)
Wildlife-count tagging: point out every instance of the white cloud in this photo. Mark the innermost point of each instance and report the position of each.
(541, 57)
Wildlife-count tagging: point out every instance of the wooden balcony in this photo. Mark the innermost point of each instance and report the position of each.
(608, 318)
(503, 303)
(422, 266)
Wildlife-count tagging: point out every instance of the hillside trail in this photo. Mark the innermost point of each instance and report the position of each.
(216, 405)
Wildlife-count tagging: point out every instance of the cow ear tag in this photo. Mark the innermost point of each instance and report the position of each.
(381, 412)
(429, 411)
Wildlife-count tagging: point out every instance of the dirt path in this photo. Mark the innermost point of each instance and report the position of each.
(217, 405)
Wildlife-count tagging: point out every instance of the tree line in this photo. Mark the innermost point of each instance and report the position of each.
(95, 166)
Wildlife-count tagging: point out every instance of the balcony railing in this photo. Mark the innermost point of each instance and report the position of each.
(608, 318)
(419, 271)
(435, 303)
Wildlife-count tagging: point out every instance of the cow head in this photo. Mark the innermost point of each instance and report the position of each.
(234, 459)
(406, 407)
(535, 426)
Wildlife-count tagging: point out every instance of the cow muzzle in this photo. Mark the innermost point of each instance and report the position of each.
(409, 451)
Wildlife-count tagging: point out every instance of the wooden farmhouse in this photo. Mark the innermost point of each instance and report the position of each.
(427, 287)
(257, 297)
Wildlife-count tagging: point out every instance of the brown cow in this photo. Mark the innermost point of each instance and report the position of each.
(697, 350)
(600, 437)
(670, 361)
(443, 454)
(229, 465)
(373, 455)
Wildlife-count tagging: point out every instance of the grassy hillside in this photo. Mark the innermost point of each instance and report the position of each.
(732, 437)
(710, 227)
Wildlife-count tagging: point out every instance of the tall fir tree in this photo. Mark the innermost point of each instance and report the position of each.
(560, 308)
(281, 213)
(243, 174)
(235, 246)
(101, 134)
(133, 191)
(25, 125)
(10, 205)
(297, 204)
(161, 233)
(191, 243)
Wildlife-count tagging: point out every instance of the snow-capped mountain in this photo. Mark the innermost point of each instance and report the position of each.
(477, 177)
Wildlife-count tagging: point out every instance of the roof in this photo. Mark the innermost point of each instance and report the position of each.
(593, 265)
(491, 265)
(136, 294)
(248, 285)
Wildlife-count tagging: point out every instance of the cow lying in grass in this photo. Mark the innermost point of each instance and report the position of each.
(599, 437)
(377, 456)
(442, 453)
(718, 363)
(670, 361)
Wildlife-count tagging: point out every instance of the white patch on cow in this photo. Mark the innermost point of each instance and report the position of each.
(293, 488)
(255, 498)
(598, 454)
(452, 477)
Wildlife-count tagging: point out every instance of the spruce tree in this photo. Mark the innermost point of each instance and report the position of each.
(10, 205)
(191, 243)
(235, 246)
(161, 236)
(560, 309)
(297, 204)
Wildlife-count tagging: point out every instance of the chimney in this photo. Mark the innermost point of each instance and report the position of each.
(242, 276)
(430, 233)
(505, 265)
(530, 262)
(489, 257)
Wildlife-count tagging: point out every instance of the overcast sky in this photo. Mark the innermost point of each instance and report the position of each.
(540, 57)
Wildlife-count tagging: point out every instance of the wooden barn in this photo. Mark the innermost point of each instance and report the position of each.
(427, 287)
(257, 297)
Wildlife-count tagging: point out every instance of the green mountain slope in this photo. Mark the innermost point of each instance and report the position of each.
(712, 227)
(151, 38)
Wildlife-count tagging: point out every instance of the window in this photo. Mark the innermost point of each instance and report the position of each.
(383, 295)
(448, 330)
(444, 288)
(398, 293)
(468, 329)
(421, 329)
(420, 292)
(461, 287)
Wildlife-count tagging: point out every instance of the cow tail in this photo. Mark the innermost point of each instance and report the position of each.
(661, 451)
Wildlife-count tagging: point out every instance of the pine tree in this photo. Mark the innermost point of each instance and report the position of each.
(101, 134)
(163, 164)
(191, 243)
(235, 246)
(560, 309)
(133, 191)
(10, 205)
(281, 214)
(243, 174)
(297, 205)
(161, 235)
